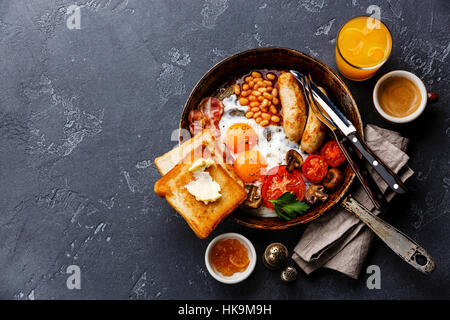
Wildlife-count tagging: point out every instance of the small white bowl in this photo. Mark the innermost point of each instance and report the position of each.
(417, 82)
(238, 276)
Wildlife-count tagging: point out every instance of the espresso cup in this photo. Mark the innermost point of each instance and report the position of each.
(416, 81)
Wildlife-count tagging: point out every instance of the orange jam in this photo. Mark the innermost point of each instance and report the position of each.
(229, 256)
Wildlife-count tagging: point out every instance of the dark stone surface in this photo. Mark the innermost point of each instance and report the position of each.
(83, 113)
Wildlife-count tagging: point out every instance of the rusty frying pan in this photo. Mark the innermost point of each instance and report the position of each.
(218, 82)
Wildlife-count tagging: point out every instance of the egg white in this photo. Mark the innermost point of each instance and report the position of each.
(273, 151)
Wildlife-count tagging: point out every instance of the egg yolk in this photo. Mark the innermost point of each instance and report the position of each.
(250, 165)
(241, 137)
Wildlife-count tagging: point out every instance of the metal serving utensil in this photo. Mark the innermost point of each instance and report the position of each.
(340, 139)
(400, 243)
(341, 122)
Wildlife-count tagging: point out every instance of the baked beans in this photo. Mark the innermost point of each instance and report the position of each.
(259, 93)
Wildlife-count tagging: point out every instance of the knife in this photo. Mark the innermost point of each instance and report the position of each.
(347, 129)
(371, 189)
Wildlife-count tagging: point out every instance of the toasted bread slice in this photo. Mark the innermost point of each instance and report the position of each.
(169, 160)
(202, 218)
(205, 139)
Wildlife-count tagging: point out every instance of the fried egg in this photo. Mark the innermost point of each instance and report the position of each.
(256, 149)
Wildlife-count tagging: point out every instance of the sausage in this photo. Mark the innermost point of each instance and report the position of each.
(293, 106)
(315, 132)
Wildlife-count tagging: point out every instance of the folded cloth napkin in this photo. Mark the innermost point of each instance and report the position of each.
(338, 240)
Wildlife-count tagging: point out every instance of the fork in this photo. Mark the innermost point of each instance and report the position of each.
(400, 243)
(340, 139)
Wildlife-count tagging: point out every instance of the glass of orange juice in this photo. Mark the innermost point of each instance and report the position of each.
(363, 45)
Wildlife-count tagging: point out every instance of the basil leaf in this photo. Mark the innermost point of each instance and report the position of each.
(280, 213)
(287, 206)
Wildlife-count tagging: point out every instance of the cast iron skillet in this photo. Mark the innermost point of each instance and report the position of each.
(224, 74)
(218, 81)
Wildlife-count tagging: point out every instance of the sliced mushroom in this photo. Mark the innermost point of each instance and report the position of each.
(294, 160)
(334, 179)
(254, 200)
(315, 193)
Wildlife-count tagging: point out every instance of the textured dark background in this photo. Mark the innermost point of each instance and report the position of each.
(83, 113)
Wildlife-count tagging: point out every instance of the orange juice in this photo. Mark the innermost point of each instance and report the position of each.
(363, 45)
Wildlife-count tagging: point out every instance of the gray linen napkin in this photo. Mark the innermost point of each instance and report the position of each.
(338, 240)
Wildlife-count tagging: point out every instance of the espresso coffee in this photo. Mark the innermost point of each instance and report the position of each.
(399, 96)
